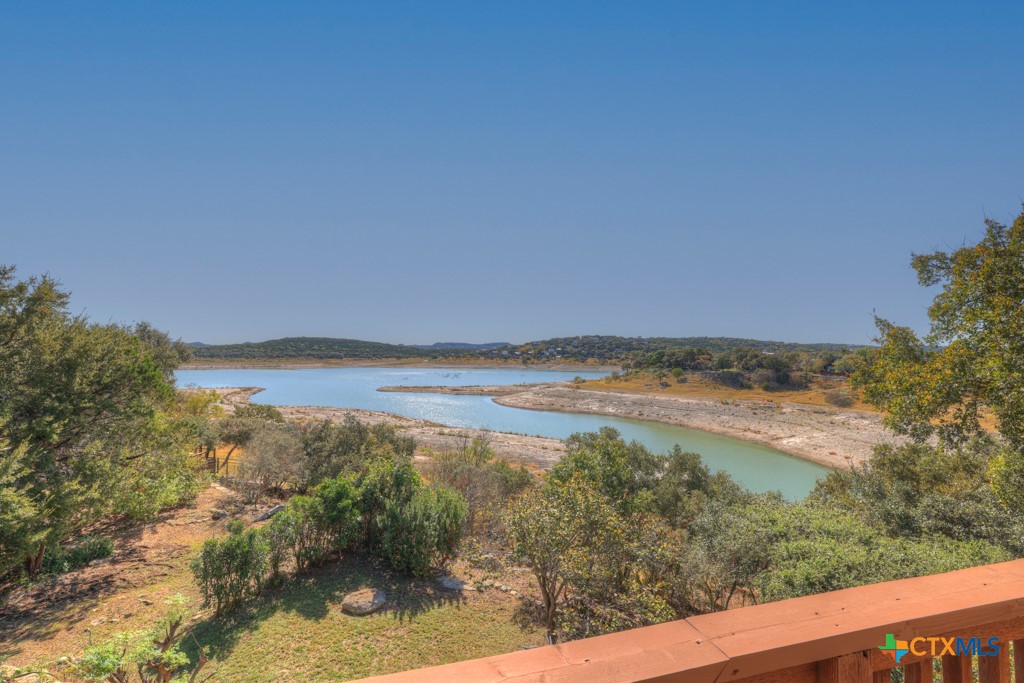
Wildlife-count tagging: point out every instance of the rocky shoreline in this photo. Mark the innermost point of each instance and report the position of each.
(478, 390)
(828, 436)
(313, 363)
(535, 451)
(832, 437)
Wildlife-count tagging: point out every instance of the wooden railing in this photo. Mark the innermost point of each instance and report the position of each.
(832, 637)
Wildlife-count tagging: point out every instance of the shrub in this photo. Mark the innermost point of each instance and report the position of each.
(329, 449)
(312, 541)
(424, 532)
(339, 504)
(230, 570)
(280, 535)
(483, 481)
(65, 559)
(839, 398)
(272, 460)
(385, 481)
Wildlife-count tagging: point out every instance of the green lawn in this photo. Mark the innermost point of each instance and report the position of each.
(299, 632)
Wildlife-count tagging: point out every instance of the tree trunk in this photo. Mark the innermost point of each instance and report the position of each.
(34, 563)
(227, 459)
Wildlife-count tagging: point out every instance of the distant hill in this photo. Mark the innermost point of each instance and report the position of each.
(313, 347)
(601, 348)
(608, 348)
(465, 346)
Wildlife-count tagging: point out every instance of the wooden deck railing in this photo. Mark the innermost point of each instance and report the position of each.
(832, 637)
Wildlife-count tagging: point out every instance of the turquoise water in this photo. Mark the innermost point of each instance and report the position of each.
(757, 467)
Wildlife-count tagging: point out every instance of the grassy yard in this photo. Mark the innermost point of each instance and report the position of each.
(297, 632)
(300, 633)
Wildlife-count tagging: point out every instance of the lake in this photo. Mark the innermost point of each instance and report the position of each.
(757, 467)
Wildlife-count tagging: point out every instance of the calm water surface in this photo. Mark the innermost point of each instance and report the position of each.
(757, 467)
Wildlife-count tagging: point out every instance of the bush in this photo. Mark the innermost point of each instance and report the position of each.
(423, 533)
(312, 541)
(272, 459)
(339, 503)
(311, 527)
(329, 450)
(839, 398)
(155, 485)
(385, 482)
(230, 570)
(280, 536)
(65, 559)
(483, 481)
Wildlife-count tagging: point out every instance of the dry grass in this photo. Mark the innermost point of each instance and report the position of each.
(696, 386)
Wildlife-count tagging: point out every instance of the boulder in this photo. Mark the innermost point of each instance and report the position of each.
(365, 601)
(218, 514)
(451, 583)
(269, 513)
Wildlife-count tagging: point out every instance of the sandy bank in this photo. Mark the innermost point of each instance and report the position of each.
(537, 451)
(478, 390)
(828, 436)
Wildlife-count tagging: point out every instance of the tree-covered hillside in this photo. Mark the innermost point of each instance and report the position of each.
(601, 348)
(316, 347)
(607, 348)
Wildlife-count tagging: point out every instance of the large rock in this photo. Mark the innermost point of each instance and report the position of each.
(269, 513)
(364, 601)
(451, 583)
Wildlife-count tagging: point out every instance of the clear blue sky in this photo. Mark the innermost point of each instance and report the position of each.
(419, 172)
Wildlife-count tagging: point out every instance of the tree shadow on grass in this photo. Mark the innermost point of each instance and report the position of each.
(314, 595)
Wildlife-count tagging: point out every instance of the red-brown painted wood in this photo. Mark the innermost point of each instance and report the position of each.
(919, 672)
(957, 669)
(995, 669)
(851, 668)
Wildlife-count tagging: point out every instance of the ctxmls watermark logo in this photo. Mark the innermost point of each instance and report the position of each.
(937, 647)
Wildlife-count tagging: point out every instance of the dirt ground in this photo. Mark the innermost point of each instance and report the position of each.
(57, 616)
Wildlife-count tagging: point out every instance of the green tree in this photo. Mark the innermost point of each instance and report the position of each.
(557, 529)
(919, 490)
(624, 472)
(331, 449)
(971, 363)
(686, 486)
(486, 483)
(88, 409)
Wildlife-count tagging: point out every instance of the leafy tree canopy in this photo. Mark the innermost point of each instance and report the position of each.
(971, 363)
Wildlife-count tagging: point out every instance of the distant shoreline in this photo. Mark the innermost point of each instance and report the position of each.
(828, 436)
(426, 363)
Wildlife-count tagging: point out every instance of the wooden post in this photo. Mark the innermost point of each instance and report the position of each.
(852, 668)
(882, 676)
(957, 669)
(1018, 661)
(920, 672)
(996, 668)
